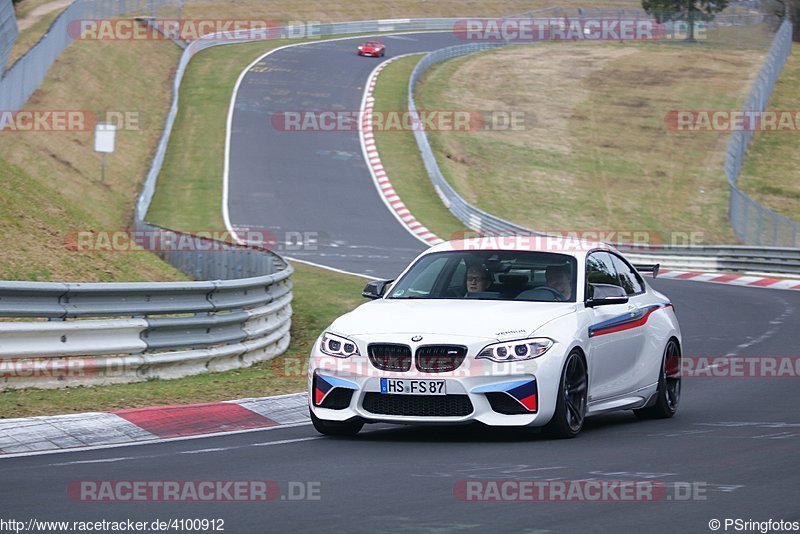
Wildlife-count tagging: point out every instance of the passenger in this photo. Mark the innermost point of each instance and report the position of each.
(478, 279)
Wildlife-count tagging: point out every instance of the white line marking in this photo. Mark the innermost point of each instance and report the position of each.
(100, 461)
(285, 441)
(201, 451)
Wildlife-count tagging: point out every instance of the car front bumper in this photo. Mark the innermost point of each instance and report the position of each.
(518, 394)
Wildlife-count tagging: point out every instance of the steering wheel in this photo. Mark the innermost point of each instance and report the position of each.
(556, 294)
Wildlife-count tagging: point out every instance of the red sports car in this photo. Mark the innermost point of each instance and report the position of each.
(372, 48)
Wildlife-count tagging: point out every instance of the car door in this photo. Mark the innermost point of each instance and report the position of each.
(613, 346)
(639, 374)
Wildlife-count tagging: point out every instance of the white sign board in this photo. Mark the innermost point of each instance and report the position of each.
(104, 133)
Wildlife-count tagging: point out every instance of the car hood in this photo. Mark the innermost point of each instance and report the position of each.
(499, 320)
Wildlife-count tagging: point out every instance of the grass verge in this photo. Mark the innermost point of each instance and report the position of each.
(51, 179)
(594, 152)
(771, 172)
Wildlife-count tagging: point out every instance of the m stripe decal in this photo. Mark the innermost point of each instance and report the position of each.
(627, 321)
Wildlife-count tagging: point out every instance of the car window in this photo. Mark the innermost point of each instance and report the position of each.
(423, 284)
(629, 280)
(490, 275)
(600, 270)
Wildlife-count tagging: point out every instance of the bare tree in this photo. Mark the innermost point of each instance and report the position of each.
(782, 9)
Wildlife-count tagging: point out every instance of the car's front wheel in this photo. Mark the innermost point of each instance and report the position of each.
(570, 411)
(668, 394)
(336, 428)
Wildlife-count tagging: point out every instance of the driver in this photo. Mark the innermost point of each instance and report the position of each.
(558, 277)
(478, 279)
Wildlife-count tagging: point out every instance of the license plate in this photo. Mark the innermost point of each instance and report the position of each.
(404, 386)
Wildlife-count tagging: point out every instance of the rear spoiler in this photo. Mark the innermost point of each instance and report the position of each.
(648, 268)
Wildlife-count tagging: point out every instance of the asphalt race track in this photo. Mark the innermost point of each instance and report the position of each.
(290, 182)
(736, 439)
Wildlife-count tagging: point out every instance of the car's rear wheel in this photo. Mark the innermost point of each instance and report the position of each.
(668, 395)
(336, 428)
(570, 412)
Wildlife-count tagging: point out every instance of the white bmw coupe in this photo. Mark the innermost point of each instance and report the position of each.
(518, 331)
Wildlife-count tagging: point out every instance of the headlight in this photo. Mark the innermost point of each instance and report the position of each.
(338, 346)
(361, 48)
(515, 351)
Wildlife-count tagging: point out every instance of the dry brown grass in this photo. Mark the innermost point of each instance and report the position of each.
(597, 154)
(344, 10)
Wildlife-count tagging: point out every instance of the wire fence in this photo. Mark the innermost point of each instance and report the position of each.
(752, 222)
(26, 74)
(8, 31)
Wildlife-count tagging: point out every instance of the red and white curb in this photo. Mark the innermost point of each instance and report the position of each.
(384, 186)
(40, 435)
(731, 279)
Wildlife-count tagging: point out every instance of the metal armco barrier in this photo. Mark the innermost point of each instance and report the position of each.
(102, 333)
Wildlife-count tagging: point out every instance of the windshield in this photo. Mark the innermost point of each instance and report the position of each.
(490, 275)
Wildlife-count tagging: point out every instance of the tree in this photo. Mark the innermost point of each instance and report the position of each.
(782, 9)
(688, 10)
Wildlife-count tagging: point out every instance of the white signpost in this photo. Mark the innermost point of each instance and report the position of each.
(104, 137)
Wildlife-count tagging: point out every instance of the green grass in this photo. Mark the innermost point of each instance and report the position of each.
(51, 179)
(401, 158)
(771, 172)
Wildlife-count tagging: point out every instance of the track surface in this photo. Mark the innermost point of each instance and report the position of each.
(317, 182)
(738, 436)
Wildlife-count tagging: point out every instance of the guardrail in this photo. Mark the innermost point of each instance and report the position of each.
(101, 333)
(773, 260)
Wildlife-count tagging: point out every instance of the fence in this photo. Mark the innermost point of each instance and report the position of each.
(752, 222)
(8, 32)
(27, 73)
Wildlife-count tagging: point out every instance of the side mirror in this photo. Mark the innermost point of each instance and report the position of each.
(376, 289)
(593, 303)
